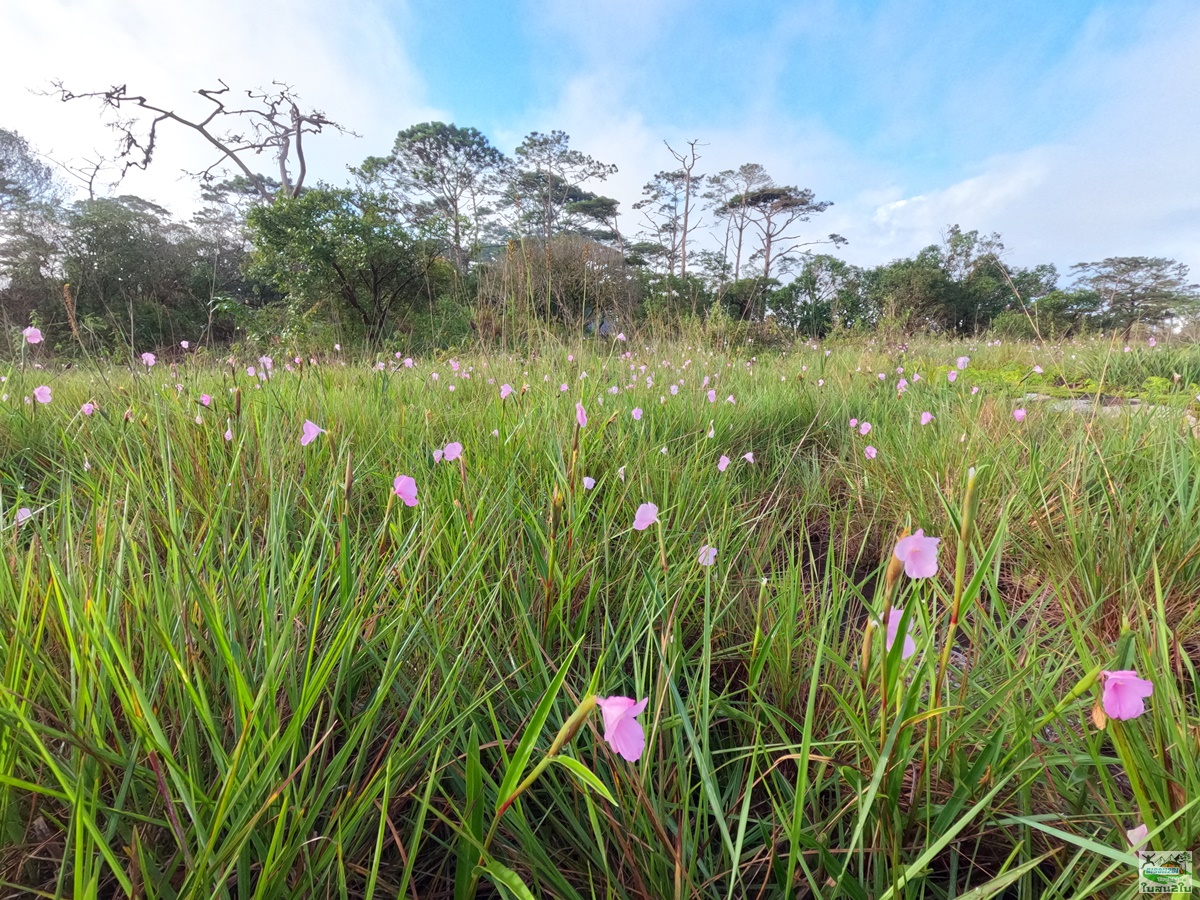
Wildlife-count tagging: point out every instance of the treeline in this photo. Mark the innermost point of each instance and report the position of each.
(446, 239)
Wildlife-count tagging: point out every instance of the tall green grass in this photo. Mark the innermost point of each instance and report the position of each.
(243, 669)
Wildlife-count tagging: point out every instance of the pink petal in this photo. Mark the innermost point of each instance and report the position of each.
(647, 515)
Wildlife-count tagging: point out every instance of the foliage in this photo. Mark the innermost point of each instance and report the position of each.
(442, 177)
(236, 668)
(1139, 289)
(569, 280)
(340, 244)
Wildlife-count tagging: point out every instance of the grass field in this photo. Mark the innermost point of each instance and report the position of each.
(239, 666)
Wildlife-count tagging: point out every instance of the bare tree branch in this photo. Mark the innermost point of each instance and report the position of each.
(275, 122)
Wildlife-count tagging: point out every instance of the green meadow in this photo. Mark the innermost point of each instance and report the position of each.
(236, 665)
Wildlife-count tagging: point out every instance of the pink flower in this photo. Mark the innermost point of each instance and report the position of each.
(580, 415)
(505, 390)
(620, 336)
(229, 434)
(23, 513)
(588, 483)
(854, 423)
(88, 408)
(1019, 415)
(32, 335)
(148, 359)
(637, 414)
(205, 400)
(1124, 693)
(864, 428)
(562, 388)
(952, 375)
(722, 463)
(408, 363)
(730, 399)
(647, 515)
(870, 452)
(42, 394)
(622, 731)
(708, 555)
(1137, 836)
(961, 362)
(748, 457)
(1037, 370)
(926, 418)
(311, 431)
(405, 487)
(882, 377)
(902, 385)
(974, 390)
(1152, 342)
(452, 451)
(184, 344)
(919, 554)
(712, 396)
(895, 614)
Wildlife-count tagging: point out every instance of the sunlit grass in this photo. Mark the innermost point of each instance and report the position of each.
(244, 668)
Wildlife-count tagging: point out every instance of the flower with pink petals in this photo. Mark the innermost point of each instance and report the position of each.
(1124, 693)
(870, 452)
(647, 515)
(919, 554)
(205, 400)
(722, 463)
(311, 432)
(405, 487)
(708, 555)
(580, 415)
(895, 614)
(148, 359)
(1137, 836)
(505, 390)
(1019, 415)
(864, 428)
(712, 396)
(22, 514)
(962, 361)
(952, 375)
(88, 408)
(748, 457)
(452, 451)
(622, 731)
(637, 414)
(42, 394)
(926, 418)
(588, 483)
(32, 335)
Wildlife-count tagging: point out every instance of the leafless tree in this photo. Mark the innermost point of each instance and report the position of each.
(273, 121)
(687, 163)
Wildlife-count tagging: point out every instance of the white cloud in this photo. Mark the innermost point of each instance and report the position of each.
(1125, 182)
(344, 60)
(1121, 178)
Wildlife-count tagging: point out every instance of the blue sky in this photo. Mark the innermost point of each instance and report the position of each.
(1070, 127)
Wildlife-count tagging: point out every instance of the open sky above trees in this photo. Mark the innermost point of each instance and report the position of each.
(1065, 128)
